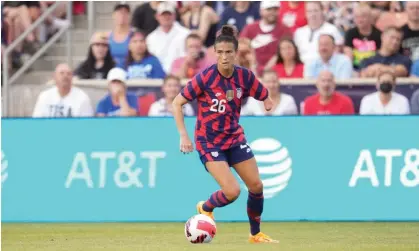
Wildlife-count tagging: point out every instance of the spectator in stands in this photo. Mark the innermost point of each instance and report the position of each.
(64, 99)
(306, 38)
(410, 43)
(340, 14)
(246, 55)
(292, 14)
(385, 101)
(16, 18)
(195, 60)
(414, 102)
(99, 60)
(327, 101)
(265, 33)
(120, 35)
(140, 63)
(338, 64)
(202, 19)
(240, 14)
(167, 42)
(364, 39)
(144, 17)
(119, 102)
(392, 15)
(283, 104)
(388, 57)
(55, 21)
(163, 107)
(286, 63)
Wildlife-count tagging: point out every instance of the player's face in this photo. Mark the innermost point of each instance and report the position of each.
(226, 54)
(171, 88)
(99, 50)
(270, 81)
(326, 84)
(137, 44)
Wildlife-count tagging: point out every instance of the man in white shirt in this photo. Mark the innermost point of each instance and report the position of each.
(163, 107)
(306, 38)
(385, 101)
(284, 104)
(337, 63)
(64, 99)
(167, 42)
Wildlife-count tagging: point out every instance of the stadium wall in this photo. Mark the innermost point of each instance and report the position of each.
(346, 168)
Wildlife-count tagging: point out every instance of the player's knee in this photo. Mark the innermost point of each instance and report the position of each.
(232, 192)
(256, 186)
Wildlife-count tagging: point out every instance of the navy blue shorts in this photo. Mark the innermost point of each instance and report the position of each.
(232, 156)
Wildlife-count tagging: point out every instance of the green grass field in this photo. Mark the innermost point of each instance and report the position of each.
(230, 236)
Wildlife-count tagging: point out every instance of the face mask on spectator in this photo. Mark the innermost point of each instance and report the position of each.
(386, 87)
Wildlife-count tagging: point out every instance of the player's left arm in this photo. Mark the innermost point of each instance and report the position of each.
(259, 92)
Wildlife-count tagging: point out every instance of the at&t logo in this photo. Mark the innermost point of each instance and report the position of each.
(274, 165)
(4, 164)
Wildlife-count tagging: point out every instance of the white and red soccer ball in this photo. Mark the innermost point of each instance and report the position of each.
(200, 229)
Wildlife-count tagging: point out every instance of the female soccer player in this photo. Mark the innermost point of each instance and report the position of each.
(219, 138)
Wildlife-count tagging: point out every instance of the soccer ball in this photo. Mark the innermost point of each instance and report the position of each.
(200, 229)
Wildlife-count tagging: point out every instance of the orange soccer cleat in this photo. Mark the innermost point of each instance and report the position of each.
(261, 238)
(202, 211)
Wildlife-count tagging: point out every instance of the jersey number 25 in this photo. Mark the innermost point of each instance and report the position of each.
(218, 105)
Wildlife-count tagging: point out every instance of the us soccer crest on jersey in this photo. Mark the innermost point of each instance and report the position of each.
(238, 92)
(230, 95)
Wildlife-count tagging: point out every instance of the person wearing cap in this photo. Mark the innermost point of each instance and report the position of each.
(167, 42)
(120, 35)
(266, 33)
(63, 99)
(99, 59)
(118, 102)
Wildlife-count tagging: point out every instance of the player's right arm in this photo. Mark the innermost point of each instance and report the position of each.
(191, 91)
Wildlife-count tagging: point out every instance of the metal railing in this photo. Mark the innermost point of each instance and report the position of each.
(8, 80)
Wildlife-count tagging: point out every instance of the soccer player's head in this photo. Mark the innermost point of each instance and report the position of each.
(171, 86)
(63, 76)
(270, 81)
(326, 84)
(226, 45)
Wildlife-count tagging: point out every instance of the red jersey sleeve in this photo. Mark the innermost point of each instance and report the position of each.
(193, 88)
(256, 89)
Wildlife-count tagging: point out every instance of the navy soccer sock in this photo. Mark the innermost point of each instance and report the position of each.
(217, 199)
(254, 211)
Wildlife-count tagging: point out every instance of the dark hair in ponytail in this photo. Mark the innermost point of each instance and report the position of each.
(228, 33)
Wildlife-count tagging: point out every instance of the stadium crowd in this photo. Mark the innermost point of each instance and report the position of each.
(325, 41)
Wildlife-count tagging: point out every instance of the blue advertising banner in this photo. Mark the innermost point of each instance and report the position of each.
(313, 168)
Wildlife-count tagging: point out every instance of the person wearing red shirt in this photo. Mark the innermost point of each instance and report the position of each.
(288, 62)
(266, 33)
(292, 14)
(327, 101)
